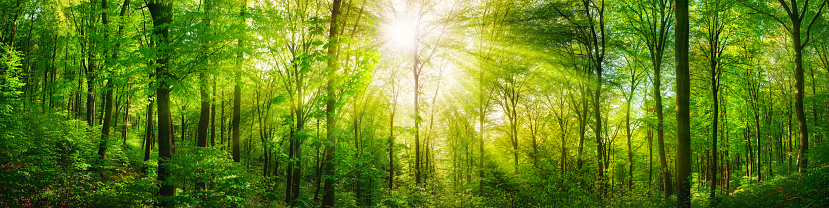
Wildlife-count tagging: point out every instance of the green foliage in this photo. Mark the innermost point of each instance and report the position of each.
(228, 184)
(476, 61)
(55, 167)
(10, 84)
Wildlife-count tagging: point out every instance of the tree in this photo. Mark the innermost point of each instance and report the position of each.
(161, 12)
(794, 27)
(330, 108)
(633, 79)
(683, 91)
(651, 22)
(509, 92)
(716, 41)
(204, 111)
(237, 93)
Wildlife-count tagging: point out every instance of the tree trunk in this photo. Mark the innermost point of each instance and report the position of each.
(330, 108)
(149, 135)
(222, 128)
(714, 125)
(481, 117)
(213, 115)
(204, 114)
(683, 89)
(416, 74)
(126, 121)
(391, 139)
(107, 125)
(802, 160)
(582, 119)
(630, 151)
(161, 13)
(237, 96)
(667, 187)
(758, 166)
(789, 130)
(598, 130)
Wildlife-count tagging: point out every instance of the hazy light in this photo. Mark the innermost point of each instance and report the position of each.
(400, 33)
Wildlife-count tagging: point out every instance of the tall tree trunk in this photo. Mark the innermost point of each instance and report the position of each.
(222, 128)
(802, 160)
(162, 15)
(149, 135)
(660, 132)
(213, 115)
(107, 125)
(598, 130)
(391, 136)
(714, 124)
(237, 95)
(582, 119)
(126, 122)
(416, 74)
(789, 129)
(204, 113)
(630, 151)
(90, 93)
(481, 117)
(683, 89)
(330, 105)
(650, 155)
(758, 166)
(204, 116)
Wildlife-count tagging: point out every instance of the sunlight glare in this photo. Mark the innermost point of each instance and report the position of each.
(400, 33)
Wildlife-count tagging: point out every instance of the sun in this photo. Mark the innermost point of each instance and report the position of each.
(400, 33)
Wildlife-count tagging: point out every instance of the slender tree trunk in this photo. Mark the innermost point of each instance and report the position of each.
(667, 187)
(789, 130)
(582, 118)
(714, 125)
(802, 160)
(237, 95)
(481, 116)
(213, 115)
(416, 74)
(204, 114)
(598, 130)
(318, 166)
(222, 128)
(126, 122)
(683, 89)
(149, 135)
(204, 117)
(391, 139)
(330, 108)
(630, 151)
(107, 125)
(90, 87)
(814, 104)
(758, 166)
(650, 155)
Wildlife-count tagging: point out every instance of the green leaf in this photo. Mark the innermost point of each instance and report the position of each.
(300, 137)
(278, 99)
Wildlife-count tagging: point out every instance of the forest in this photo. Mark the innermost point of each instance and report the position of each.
(414, 103)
